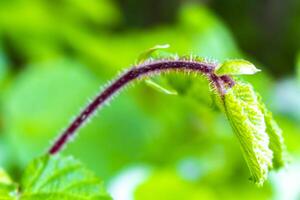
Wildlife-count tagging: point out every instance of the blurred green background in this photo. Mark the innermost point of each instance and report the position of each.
(56, 54)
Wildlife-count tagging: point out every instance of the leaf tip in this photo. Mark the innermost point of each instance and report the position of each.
(236, 67)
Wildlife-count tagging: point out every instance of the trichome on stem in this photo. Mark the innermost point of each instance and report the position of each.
(219, 83)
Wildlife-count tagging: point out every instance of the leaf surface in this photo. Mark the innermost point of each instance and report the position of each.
(248, 121)
(145, 55)
(276, 138)
(236, 67)
(56, 177)
(8, 189)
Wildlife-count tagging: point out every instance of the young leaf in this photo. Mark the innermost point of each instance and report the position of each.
(145, 55)
(55, 177)
(160, 88)
(8, 189)
(243, 111)
(236, 67)
(276, 139)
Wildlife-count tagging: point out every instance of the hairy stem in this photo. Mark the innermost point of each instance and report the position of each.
(207, 69)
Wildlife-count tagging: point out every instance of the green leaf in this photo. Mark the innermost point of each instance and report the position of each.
(145, 55)
(8, 189)
(236, 67)
(55, 177)
(168, 185)
(160, 88)
(243, 111)
(276, 138)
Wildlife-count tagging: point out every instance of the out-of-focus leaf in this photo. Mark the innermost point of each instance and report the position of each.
(159, 87)
(209, 38)
(45, 97)
(15, 16)
(57, 177)
(3, 68)
(8, 189)
(243, 111)
(298, 66)
(145, 55)
(41, 102)
(236, 67)
(180, 83)
(286, 97)
(99, 11)
(169, 186)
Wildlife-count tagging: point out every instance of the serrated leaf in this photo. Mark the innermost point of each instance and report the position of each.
(244, 113)
(64, 178)
(145, 55)
(8, 189)
(236, 67)
(160, 88)
(276, 138)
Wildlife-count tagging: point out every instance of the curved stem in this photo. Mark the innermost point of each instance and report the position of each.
(134, 73)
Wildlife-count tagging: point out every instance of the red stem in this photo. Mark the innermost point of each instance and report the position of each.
(132, 74)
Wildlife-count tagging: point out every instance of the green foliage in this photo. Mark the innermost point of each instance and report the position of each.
(250, 120)
(258, 133)
(8, 190)
(169, 184)
(236, 67)
(54, 177)
(3, 67)
(60, 90)
(157, 83)
(29, 130)
(38, 96)
(298, 66)
(276, 138)
(162, 185)
(145, 55)
(39, 100)
(160, 88)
